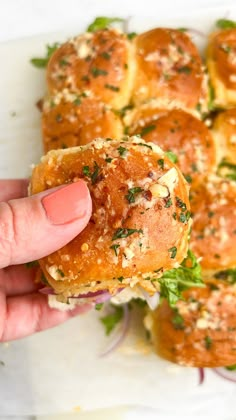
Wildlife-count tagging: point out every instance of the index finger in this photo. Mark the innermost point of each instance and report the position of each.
(13, 188)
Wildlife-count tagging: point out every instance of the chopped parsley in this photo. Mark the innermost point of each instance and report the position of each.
(98, 72)
(208, 342)
(188, 178)
(98, 306)
(124, 233)
(227, 170)
(122, 150)
(115, 247)
(111, 87)
(225, 24)
(180, 204)
(184, 69)
(232, 367)
(42, 62)
(102, 22)
(111, 320)
(77, 101)
(173, 252)
(94, 174)
(168, 203)
(227, 275)
(161, 163)
(106, 55)
(132, 192)
(120, 279)
(145, 145)
(60, 272)
(131, 35)
(147, 130)
(58, 118)
(177, 320)
(174, 281)
(172, 156)
(123, 110)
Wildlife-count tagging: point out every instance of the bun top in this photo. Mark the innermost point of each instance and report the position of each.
(179, 132)
(100, 62)
(200, 330)
(221, 50)
(169, 67)
(213, 235)
(140, 221)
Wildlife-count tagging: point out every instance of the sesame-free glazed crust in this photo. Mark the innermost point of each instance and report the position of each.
(155, 237)
(201, 330)
(179, 132)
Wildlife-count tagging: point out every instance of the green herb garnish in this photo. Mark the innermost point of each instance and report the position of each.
(122, 150)
(225, 24)
(132, 192)
(42, 62)
(227, 170)
(111, 87)
(147, 130)
(131, 35)
(172, 156)
(98, 306)
(124, 233)
(161, 163)
(176, 280)
(115, 247)
(102, 22)
(232, 367)
(208, 342)
(227, 275)
(168, 203)
(184, 69)
(60, 272)
(111, 320)
(98, 72)
(94, 174)
(173, 252)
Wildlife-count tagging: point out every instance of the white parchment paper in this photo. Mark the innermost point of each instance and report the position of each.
(60, 369)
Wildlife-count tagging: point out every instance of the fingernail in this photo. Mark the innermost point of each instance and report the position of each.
(67, 204)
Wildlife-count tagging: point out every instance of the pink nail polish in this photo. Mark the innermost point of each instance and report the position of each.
(67, 203)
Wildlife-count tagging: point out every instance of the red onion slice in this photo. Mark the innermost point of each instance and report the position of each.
(120, 336)
(201, 372)
(229, 375)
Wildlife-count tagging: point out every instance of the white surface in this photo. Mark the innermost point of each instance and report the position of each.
(60, 369)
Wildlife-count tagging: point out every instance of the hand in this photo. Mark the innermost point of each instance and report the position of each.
(31, 228)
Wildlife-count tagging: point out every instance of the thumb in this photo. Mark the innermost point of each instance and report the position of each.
(33, 227)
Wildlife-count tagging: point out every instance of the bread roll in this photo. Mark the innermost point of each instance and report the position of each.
(169, 68)
(224, 132)
(180, 132)
(101, 62)
(221, 65)
(201, 330)
(213, 237)
(73, 119)
(140, 221)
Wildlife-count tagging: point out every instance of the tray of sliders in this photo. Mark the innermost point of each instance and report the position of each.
(150, 125)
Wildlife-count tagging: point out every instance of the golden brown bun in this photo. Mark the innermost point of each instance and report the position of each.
(214, 224)
(221, 65)
(101, 62)
(180, 132)
(224, 132)
(71, 119)
(201, 331)
(169, 68)
(111, 169)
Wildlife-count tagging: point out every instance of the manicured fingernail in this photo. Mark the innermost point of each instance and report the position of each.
(67, 204)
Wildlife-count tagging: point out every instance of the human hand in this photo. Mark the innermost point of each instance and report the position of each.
(31, 228)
